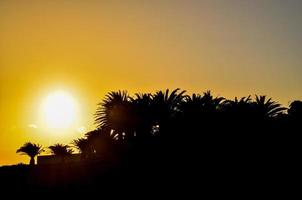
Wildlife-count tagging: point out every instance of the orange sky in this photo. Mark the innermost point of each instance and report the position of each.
(87, 48)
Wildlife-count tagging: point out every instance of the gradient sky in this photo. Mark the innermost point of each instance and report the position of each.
(86, 48)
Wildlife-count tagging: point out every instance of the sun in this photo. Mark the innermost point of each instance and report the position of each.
(59, 110)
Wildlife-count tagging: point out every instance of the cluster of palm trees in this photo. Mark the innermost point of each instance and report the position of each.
(167, 117)
(32, 150)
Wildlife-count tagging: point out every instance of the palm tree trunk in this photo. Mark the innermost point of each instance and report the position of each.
(32, 161)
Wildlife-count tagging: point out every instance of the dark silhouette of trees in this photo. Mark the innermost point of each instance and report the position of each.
(197, 113)
(292, 121)
(211, 104)
(295, 110)
(169, 115)
(101, 142)
(239, 108)
(32, 150)
(165, 106)
(115, 113)
(84, 147)
(143, 115)
(173, 134)
(167, 120)
(266, 108)
(60, 150)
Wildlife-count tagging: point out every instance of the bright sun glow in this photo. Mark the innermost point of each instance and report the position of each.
(59, 110)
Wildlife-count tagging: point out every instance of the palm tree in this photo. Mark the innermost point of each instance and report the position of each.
(92, 138)
(191, 104)
(197, 105)
(82, 144)
(295, 110)
(238, 117)
(211, 104)
(60, 150)
(143, 114)
(191, 114)
(98, 137)
(32, 150)
(197, 110)
(115, 113)
(238, 109)
(266, 108)
(165, 107)
(102, 142)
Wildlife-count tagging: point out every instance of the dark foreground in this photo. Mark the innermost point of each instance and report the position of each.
(214, 169)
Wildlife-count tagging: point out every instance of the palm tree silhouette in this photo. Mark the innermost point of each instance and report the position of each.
(101, 142)
(60, 150)
(211, 104)
(32, 150)
(84, 147)
(266, 108)
(238, 109)
(115, 113)
(197, 110)
(93, 139)
(143, 114)
(205, 103)
(191, 113)
(197, 105)
(165, 106)
(295, 110)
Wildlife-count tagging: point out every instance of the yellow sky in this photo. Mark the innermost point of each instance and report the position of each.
(87, 48)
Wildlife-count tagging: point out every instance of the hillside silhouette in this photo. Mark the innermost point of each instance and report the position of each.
(171, 139)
